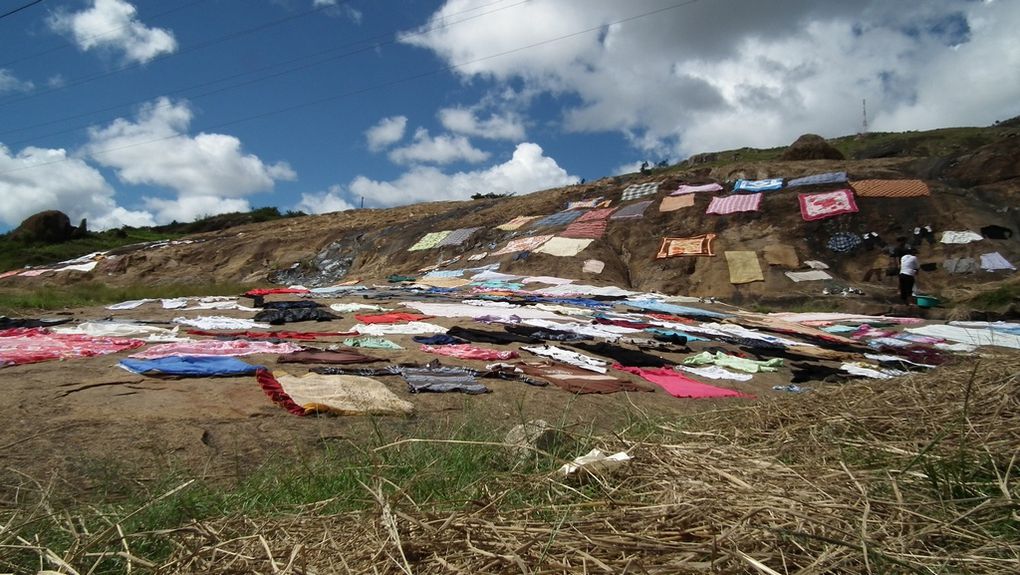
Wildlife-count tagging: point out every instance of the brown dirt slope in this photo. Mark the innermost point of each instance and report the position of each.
(971, 189)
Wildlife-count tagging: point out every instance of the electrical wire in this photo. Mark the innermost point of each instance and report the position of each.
(19, 9)
(382, 86)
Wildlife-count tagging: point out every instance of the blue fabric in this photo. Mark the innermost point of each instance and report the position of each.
(752, 186)
(652, 305)
(559, 219)
(584, 302)
(190, 366)
(673, 332)
(843, 241)
(829, 178)
(445, 274)
(839, 329)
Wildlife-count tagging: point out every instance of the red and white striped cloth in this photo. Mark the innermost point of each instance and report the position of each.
(736, 203)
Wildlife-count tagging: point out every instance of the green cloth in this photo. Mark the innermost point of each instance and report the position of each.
(733, 362)
(397, 279)
(371, 342)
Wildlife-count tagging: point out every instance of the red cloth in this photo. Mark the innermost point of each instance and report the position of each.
(32, 345)
(271, 291)
(300, 335)
(623, 323)
(679, 385)
(390, 317)
(468, 351)
(671, 318)
(275, 392)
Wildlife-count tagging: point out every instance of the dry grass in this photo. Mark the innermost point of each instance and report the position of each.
(913, 475)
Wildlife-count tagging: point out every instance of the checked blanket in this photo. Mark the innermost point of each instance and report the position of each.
(636, 191)
(724, 205)
(559, 218)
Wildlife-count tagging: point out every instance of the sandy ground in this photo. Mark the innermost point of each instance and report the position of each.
(82, 419)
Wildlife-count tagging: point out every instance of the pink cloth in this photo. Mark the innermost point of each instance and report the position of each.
(212, 347)
(593, 215)
(31, 345)
(684, 189)
(827, 204)
(468, 351)
(736, 203)
(679, 385)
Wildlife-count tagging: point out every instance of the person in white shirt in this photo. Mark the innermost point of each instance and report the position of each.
(908, 275)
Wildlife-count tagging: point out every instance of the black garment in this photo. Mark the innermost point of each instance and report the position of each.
(10, 322)
(438, 339)
(282, 316)
(906, 287)
(671, 338)
(624, 356)
(994, 232)
(924, 233)
(291, 304)
(803, 372)
(544, 334)
(498, 371)
(872, 240)
(485, 336)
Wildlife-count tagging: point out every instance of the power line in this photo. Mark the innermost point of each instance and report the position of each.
(96, 36)
(372, 43)
(375, 87)
(19, 9)
(160, 58)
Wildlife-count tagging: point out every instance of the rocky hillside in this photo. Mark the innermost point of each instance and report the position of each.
(974, 182)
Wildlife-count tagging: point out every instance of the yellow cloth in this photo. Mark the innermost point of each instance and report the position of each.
(781, 255)
(516, 223)
(429, 240)
(443, 282)
(342, 395)
(744, 267)
(673, 203)
(563, 247)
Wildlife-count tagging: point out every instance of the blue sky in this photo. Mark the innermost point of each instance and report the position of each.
(142, 112)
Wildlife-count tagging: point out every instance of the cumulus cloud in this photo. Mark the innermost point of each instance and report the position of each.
(155, 149)
(189, 208)
(113, 25)
(386, 132)
(529, 170)
(442, 149)
(495, 127)
(37, 179)
(673, 83)
(331, 200)
(10, 83)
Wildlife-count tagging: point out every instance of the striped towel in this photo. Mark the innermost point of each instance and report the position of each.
(693, 246)
(818, 179)
(636, 191)
(594, 229)
(723, 205)
(685, 189)
(751, 186)
(559, 218)
(891, 188)
(599, 214)
(635, 210)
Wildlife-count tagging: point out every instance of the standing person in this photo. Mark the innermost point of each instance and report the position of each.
(908, 275)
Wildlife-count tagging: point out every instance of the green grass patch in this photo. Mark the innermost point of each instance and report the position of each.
(22, 300)
(998, 298)
(17, 254)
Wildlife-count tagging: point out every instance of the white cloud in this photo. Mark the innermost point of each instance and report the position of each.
(324, 202)
(442, 149)
(10, 83)
(628, 168)
(529, 170)
(495, 127)
(386, 132)
(62, 183)
(673, 84)
(113, 25)
(190, 208)
(155, 149)
(352, 13)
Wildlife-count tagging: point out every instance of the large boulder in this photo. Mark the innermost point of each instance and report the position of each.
(51, 227)
(988, 164)
(811, 147)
